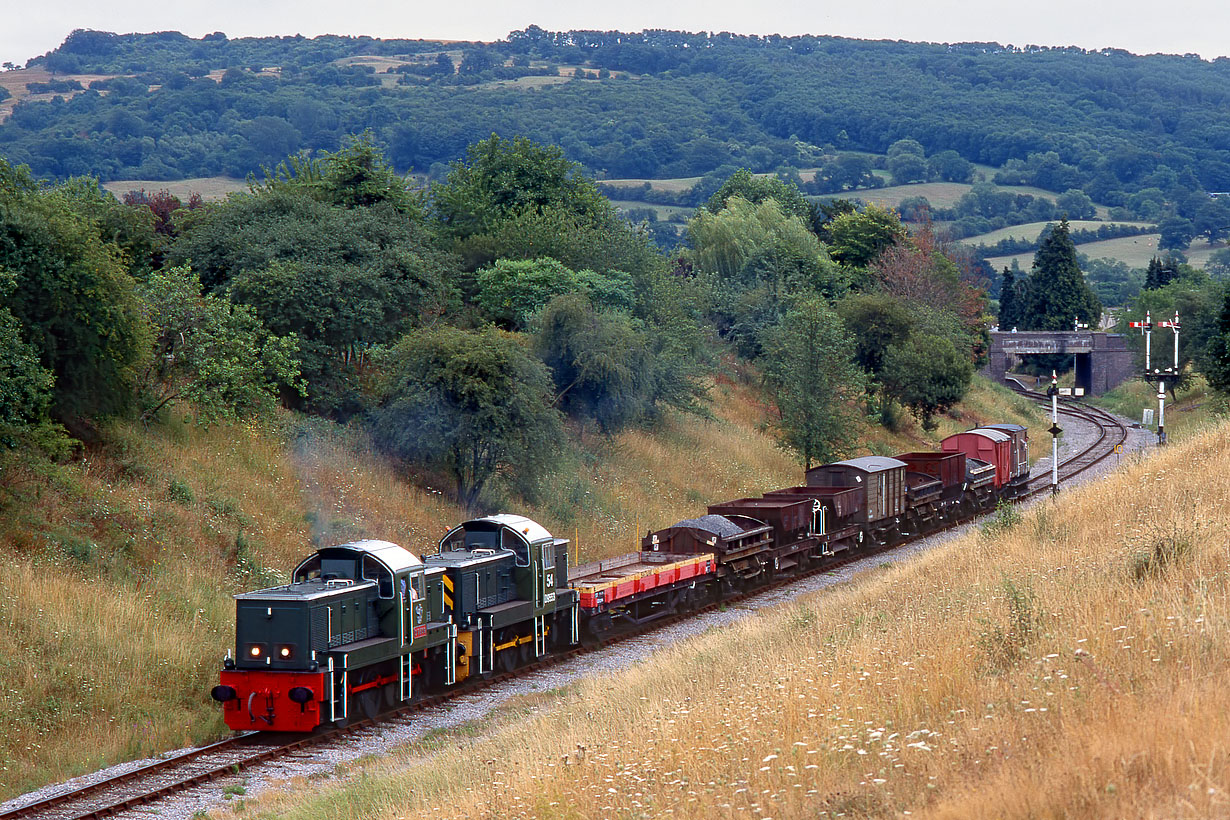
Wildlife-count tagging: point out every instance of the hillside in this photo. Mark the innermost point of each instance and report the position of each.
(121, 566)
(688, 104)
(1065, 661)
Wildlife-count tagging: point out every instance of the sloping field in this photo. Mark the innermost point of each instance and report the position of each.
(674, 185)
(1135, 251)
(207, 187)
(1030, 230)
(17, 81)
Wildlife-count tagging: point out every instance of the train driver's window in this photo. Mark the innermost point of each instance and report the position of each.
(373, 570)
(511, 541)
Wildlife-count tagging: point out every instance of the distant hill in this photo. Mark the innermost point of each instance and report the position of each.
(631, 106)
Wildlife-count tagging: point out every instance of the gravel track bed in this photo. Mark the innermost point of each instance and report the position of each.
(324, 760)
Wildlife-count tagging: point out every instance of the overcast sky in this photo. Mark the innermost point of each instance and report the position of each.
(33, 27)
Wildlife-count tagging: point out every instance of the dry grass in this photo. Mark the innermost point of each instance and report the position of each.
(1070, 665)
(115, 601)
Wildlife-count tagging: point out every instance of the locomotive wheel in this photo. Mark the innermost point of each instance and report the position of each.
(369, 700)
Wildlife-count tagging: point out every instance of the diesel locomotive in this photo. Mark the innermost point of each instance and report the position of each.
(368, 625)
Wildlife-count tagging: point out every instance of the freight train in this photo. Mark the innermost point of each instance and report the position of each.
(368, 625)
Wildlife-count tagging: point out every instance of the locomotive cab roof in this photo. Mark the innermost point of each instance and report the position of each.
(489, 531)
(392, 557)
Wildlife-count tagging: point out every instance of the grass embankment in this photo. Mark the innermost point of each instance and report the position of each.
(1196, 409)
(1065, 661)
(116, 599)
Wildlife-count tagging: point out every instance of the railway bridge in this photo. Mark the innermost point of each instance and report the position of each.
(1103, 360)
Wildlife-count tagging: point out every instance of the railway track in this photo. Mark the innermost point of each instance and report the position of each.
(1111, 433)
(146, 785)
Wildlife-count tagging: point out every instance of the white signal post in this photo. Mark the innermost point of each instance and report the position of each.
(1055, 430)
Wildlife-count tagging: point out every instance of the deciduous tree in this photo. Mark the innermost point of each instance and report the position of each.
(472, 404)
(812, 381)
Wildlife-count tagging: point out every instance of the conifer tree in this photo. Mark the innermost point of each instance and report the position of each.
(1058, 292)
(1009, 308)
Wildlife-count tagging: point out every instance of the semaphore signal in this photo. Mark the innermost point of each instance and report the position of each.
(1161, 374)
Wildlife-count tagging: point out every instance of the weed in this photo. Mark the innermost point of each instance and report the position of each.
(179, 491)
(1005, 643)
(1160, 554)
(236, 790)
(1005, 519)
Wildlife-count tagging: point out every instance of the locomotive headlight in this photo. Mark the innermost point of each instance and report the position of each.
(285, 652)
(255, 651)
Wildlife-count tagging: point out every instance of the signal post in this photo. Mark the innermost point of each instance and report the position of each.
(1159, 373)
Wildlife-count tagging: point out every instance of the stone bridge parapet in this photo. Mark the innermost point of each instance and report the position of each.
(1103, 360)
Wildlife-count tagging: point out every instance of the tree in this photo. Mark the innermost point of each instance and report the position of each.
(1216, 358)
(1218, 264)
(754, 189)
(950, 167)
(73, 297)
(857, 237)
(877, 321)
(601, 364)
(25, 385)
(1058, 292)
(907, 168)
(1159, 274)
(500, 178)
(754, 259)
(812, 381)
(1176, 233)
(211, 353)
(516, 199)
(513, 291)
(473, 404)
(927, 374)
(1075, 204)
(1009, 306)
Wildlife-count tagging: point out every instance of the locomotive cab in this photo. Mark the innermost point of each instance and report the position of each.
(340, 635)
(505, 588)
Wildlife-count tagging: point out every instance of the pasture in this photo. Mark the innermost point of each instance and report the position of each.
(209, 188)
(1030, 230)
(1135, 251)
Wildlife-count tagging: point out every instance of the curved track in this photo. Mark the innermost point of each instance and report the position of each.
(147, 784)
(1111, 433)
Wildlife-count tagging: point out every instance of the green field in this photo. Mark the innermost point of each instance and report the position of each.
(664, 212)
(673, 185)
(1030, 230)
(207, 187)
(1136, 251)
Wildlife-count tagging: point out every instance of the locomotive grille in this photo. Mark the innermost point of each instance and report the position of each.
(320, 628)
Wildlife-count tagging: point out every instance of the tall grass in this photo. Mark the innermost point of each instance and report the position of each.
(1069, 663)
(117, 602)
(1196, 409)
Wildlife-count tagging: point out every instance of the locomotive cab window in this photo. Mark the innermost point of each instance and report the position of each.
(514, 542)
(337, 568)
(548, 556)
(308, 570)
(373, 570)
